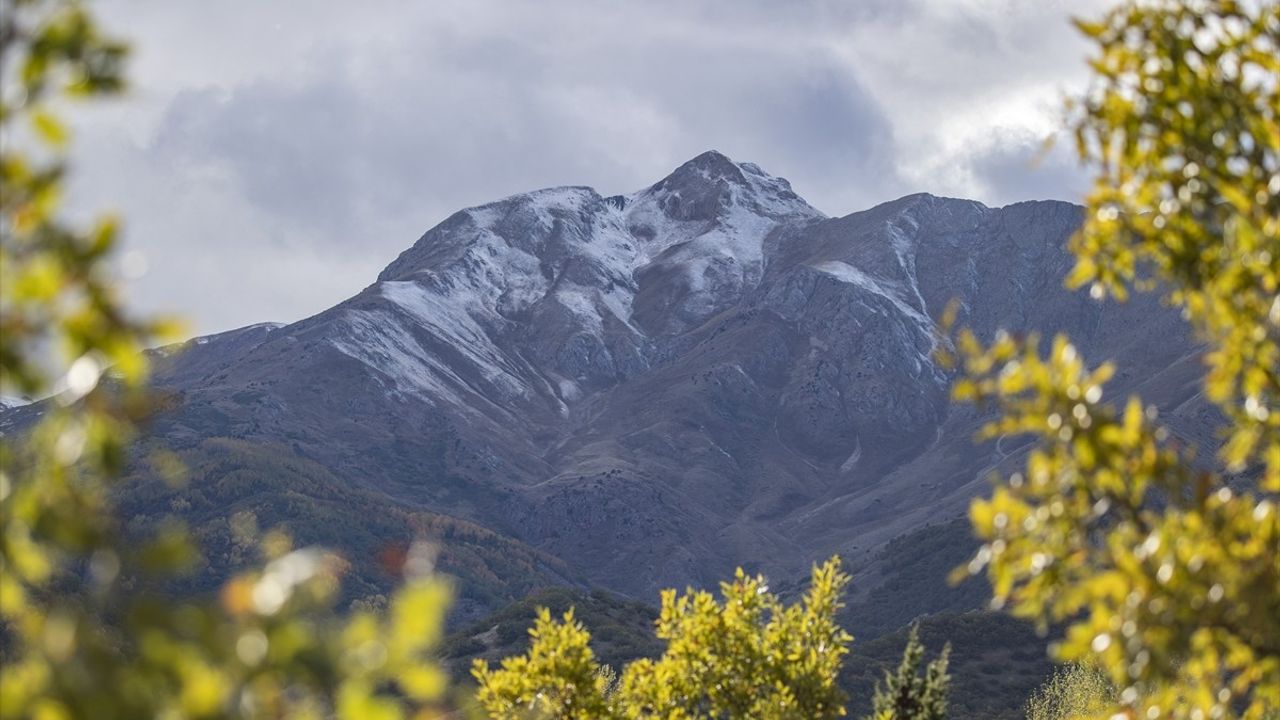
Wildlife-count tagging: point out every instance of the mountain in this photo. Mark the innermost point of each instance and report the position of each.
(641, 391)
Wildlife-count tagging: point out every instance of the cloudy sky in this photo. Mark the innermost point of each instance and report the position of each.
(272, 157)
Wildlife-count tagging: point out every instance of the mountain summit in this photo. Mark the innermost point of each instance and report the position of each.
(642, 391)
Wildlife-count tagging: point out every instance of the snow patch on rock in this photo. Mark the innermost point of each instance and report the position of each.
(845, 272)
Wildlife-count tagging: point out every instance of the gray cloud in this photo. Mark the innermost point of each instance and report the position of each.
(275, 155)
(1014, 166)
(454, 124)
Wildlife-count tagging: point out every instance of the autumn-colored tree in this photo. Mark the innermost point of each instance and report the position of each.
(1074, 691)
(557, 678)
(1166, 575)
(746, 656)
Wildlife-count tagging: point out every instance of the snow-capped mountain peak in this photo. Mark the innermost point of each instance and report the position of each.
(600, 278)
(708, 183)
(703, 371)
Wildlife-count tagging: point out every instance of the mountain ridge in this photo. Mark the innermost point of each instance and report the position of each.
(653, 388)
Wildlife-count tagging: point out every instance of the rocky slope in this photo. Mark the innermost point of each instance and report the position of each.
(644, 390)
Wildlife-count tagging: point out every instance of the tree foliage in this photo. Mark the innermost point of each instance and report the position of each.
(1166, 574)
(86, 630)
(908, 695)
(557, 678)
(747, 655)
(1074, 691)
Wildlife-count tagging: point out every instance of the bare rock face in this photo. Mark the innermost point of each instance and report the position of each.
(656, 387)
